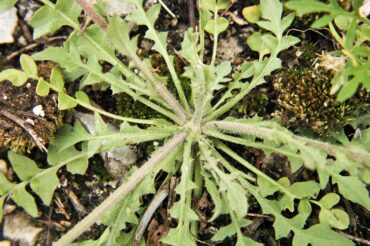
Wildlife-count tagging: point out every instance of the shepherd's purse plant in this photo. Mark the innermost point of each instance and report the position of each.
(195, 131)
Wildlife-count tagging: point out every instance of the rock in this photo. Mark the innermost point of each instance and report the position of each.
(8, 22)
(365, 9)
(117, 7)
(18, 228)
(118, 161)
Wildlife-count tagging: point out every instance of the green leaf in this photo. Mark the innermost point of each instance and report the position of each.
(22, 198)
(42, 88)
(330, 200)
(288, 41)
(179, 212)
(229, 230)
(266, 187)
(4, 5)
(68, 58)
(118, 33)
(68, 136)
(50, 18)
(5, 185)
(94, 43)
(287, 21)
(78, 166)
(215, 5)
(124, 212)
(189, 48)
(320, 235)
(252, 13)
(315, 235)
(2, 201)
(56, 79)
(236, 197)
(29, 66)
(347, 90)
(257, 43)
(336, 218)
(352, 189)
(173, 236)
(218, 26)
(65, 101)
(342, 22)
(83, 97)
(271, 10)
(17, 77)
(181, 209)
(24, 167)
(267, 66)
(215, 195)
(45, 184)
(246, 241)
(300, 190)
(310, 6)
(77, 161)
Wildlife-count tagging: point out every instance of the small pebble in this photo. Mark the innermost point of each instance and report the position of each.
(38, 110)
(31, 122)
(19, 228)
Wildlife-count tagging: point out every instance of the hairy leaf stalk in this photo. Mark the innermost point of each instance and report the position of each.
(266, 133)
(123, 190)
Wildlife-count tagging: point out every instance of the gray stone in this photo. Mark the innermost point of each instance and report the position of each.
(18, 228)
(8, 22)
(117, 161)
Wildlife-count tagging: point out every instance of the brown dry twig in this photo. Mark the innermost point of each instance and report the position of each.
(87, 6)
(156, 202)
(356, 239)
(191, 14)
(33, 46)
(61, 208)
(167, 9)
(76, 202)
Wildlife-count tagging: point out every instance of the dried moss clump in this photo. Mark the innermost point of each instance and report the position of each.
(304, 100)
(19, 125)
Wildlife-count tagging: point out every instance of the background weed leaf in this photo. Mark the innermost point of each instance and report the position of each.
(51, 18)
(15, 76)
(42, 88)
(320, 235)
(256, 43)
(45, 184)
(56, 79)
(217, 27)
(65, 101)
(252, 13)
(24, 167)
(229, 230)
(28, 65)
(215, 195)
(5, 185)
(352, 189)
(336, 218)
(24, 199)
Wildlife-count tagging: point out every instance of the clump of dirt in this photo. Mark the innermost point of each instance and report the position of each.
(26, 119)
